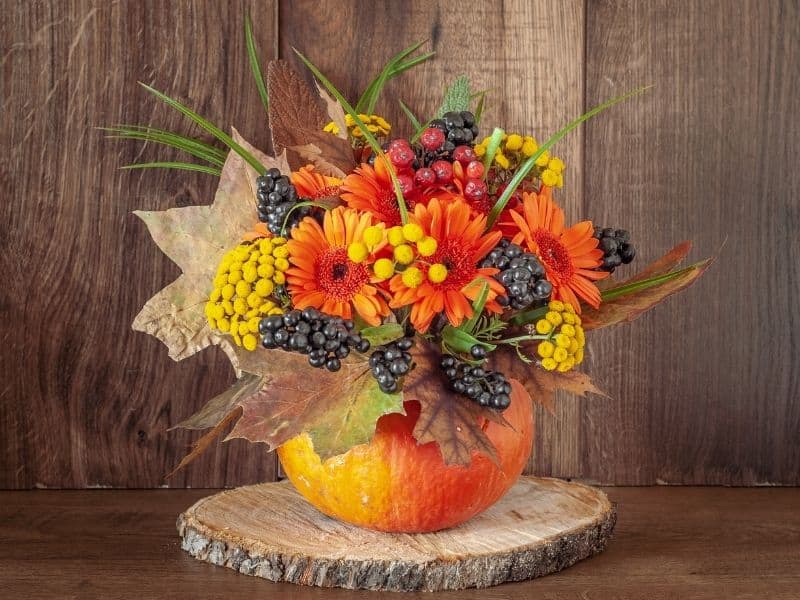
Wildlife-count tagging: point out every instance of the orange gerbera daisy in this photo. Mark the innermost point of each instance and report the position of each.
(323, 276)
(370, 189)
(569, 255)
(310, 184)
(460, 246)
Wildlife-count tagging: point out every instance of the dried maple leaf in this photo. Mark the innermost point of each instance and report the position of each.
(451, 420)
(280, 398)
(627, 307)
(338, 410)
(541, 384)
(196, 238)
(297, 119)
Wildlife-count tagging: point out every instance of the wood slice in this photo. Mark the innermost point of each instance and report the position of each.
(541, 526)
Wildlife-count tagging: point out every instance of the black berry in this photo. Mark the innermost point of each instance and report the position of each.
(488, 388)
(277, 198)
(522, 275)
(616, 246)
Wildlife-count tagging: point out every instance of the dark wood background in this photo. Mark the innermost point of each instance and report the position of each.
(706, 389)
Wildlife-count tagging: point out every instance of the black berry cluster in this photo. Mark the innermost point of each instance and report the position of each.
(324, 338)
(487, 388)
(616, 246)
(522, 275)
(458, 127)
(390, 362)
(276, 198)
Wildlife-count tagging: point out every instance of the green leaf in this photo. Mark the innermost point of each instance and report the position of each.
(197, 148)
(208, 126)
(460, 341)
(382, 334)
(491, 149)
(528, 165)
(376, 147)
(477, 308)
(252, 55)
(175, 165)
(530, 316)
(353, 420)
(457, 97)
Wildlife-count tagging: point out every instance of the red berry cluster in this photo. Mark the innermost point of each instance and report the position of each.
(431, 165)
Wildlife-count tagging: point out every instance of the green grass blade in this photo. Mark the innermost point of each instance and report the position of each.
(376, 147)
(410, 116)
(252, 55)
(526, 167)
(477, 308)
(491, 150)
(420, 131)
(208, 126)
(479, 109)
(394, 67)
(370, 91)
(638, 286)
(175, 165)
(196, 148)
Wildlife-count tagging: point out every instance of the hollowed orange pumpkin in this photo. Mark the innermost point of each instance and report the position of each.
(393, 484)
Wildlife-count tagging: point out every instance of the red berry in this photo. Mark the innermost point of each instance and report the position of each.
(399, 143)
(443, 170)
(464, 154)
(475, 190)
(406, 183)
(475, 169)
(432, 139)
(401, 156)
(425, 177)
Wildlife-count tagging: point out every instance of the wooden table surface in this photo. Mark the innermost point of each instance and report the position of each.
(670, 542)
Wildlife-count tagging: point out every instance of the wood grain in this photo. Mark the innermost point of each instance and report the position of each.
(540, 526)
(706, 387)
(85, 400)
(669, 542)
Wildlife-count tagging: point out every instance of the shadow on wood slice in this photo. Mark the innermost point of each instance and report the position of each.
(541, 526)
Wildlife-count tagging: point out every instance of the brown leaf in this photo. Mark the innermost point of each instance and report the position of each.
(541, 384)
(334, 110)
(297, 118)
(451, 420)
(204, 442)
(196, 238)
(665, 264)
(219, 407)
(311, 153)
(628, 307)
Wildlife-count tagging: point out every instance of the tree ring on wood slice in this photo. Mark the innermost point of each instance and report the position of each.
(540, 526)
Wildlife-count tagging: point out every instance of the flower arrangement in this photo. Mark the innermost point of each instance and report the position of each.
(390, 304)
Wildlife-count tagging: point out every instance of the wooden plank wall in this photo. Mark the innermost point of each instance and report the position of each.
(705, 389)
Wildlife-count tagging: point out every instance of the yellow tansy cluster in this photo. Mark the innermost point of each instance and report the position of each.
(408, 244)
(375, 124)
(515, 149)
(563, 348)
(244, 287)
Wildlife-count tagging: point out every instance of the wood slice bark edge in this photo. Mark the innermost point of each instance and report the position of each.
(554, 553)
